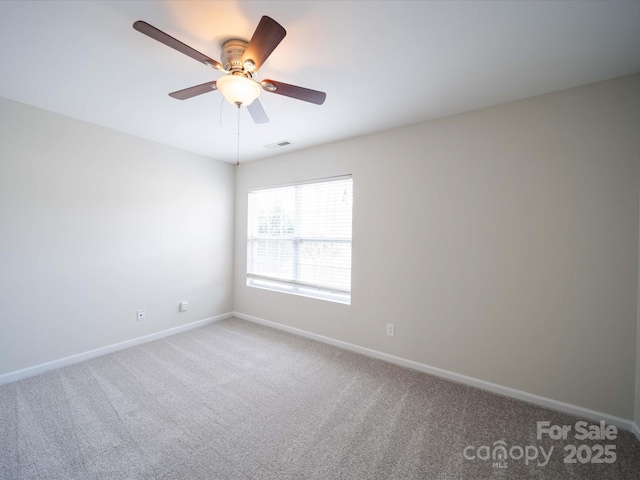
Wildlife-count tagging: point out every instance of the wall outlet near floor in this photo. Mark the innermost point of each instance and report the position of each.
(141, 315)
(184, 306)
(391, 329)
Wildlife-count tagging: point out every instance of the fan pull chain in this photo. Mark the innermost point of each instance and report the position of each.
(238, 150)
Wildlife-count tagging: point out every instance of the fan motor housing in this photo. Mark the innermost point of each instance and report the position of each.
(232, 51)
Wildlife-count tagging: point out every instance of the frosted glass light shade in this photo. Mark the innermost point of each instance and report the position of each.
(238, 90)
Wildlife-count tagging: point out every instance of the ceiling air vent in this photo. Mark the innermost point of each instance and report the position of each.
(280, 144)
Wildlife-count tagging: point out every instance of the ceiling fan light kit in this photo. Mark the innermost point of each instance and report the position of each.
(238, 89)
(240, 62)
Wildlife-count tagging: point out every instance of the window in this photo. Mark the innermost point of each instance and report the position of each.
(299, 239)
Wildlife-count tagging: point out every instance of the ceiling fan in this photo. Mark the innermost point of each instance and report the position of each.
(240, 62)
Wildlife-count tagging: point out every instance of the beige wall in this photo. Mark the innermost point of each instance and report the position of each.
(503, 244)
(94, 225)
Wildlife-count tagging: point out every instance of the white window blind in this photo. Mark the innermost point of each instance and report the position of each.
(299, 238)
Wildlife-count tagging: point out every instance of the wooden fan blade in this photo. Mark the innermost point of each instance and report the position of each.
(168, 40)
(257, 112)
(293, 91)
(266, 38)
(193, 91)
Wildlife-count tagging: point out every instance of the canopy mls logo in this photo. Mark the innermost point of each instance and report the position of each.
(537, 455)
(500, 453)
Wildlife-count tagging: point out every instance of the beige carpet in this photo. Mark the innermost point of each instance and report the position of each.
(234, 400)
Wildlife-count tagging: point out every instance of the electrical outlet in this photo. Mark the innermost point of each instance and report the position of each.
(391, 329)
(184, 306)
(141, 314)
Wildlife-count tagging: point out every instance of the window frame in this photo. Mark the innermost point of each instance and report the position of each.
(295, 286)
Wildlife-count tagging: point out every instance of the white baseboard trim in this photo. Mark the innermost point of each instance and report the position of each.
(456, 377)
(45, 367)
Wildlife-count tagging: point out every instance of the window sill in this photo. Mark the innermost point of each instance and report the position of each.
(299, 290)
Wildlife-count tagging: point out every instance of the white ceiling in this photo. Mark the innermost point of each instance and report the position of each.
(383, 64)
